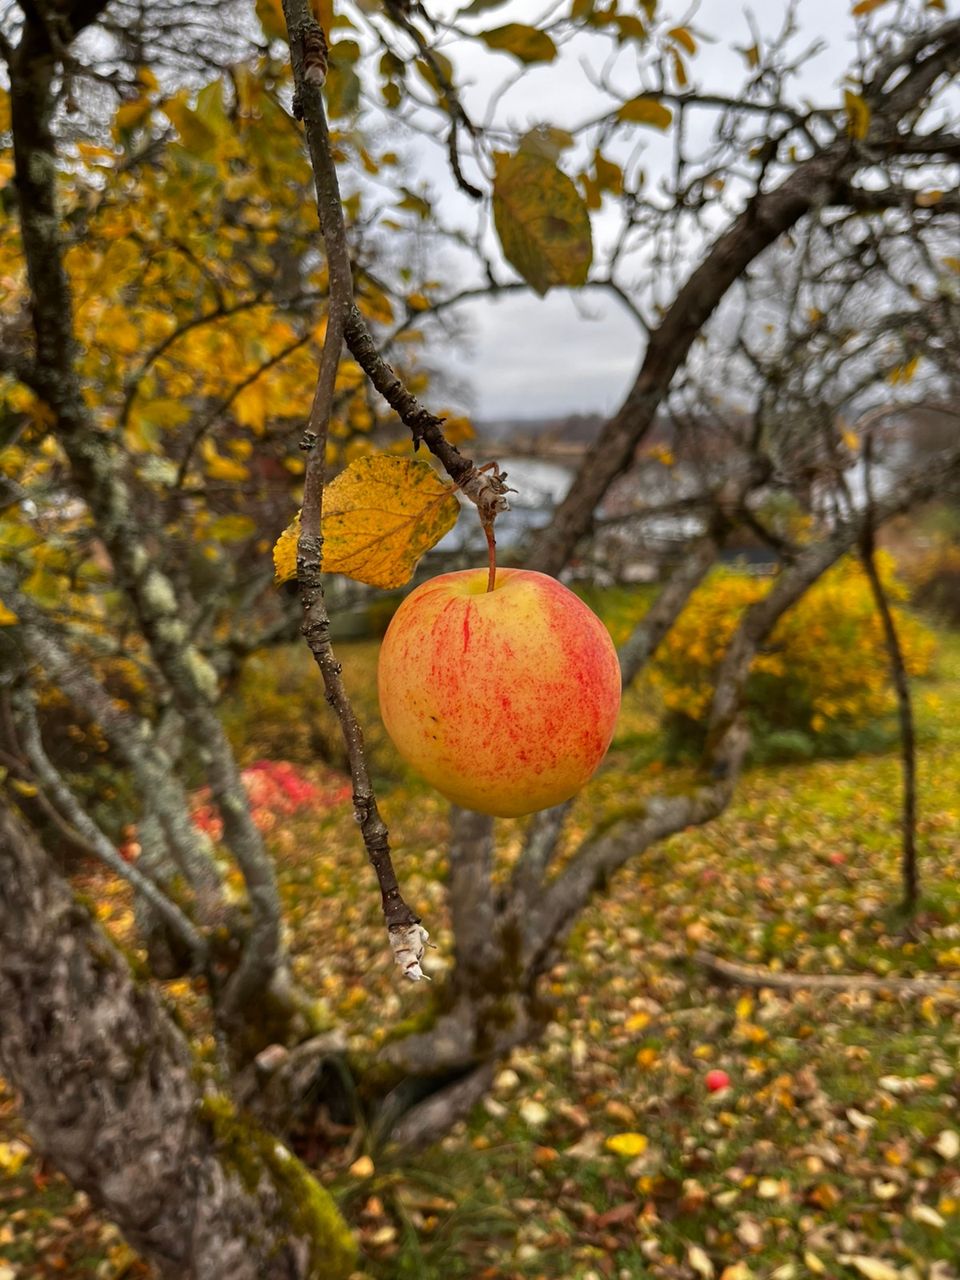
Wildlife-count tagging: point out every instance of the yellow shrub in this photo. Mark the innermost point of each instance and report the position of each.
(824, 666)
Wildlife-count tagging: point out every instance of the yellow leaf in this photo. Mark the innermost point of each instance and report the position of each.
(866, 6)
(927, 199)
(380, 516)
(637, 1022)
(953, 264)
(646, 110)
(627, 1144)
(221, 468)
(270, 13)
(542, 221)
(13, 1156)
(232, 528)
(7, 616)
(130, 114)
(458, 429)
(903, 373)
(681, 35)
(195, 133)
(527, 44)
(24, 788)
(858, 114)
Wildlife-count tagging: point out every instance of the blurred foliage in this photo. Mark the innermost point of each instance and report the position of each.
(935, 582)
(837, 1138)
(822, 681)
(276, 709)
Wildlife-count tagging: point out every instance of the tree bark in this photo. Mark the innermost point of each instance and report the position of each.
(112, 1096)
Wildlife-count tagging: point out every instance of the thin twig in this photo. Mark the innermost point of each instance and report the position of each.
(308, 52)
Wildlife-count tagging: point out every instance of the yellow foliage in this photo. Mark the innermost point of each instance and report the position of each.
(825, 663)
(379, 517)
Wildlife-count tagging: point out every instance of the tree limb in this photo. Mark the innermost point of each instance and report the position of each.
(308, 52)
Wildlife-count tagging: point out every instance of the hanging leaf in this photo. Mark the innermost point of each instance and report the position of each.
(131, 114)
(195, 134)
(545, 140)
(480, 6)
(270, 13)
(646, 110)
(682, 36)
(525, 43)
(380, 516)
(542, 222)
(866, 6)
(858, 114)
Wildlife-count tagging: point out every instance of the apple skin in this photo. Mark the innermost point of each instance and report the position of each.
(505, 700)
(717, 1080)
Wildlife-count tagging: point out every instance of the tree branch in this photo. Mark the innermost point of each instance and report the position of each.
(308, 53)
(818, 181)
(79, 819)
(98, 472)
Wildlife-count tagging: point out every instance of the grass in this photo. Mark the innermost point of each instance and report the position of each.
(829, 1155)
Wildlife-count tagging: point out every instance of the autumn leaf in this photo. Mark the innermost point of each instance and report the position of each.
(380, 516)
(270, 13)
(858, 114)
(525, 43)
(627, 1144)
(683, 37)
(646, 110)
(542, 221)
(866, 6)
(870, 1268)
(545, 140)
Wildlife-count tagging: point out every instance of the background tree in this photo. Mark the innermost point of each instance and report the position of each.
(181, 245)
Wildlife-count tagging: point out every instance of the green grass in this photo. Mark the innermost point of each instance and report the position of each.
(826, 1147)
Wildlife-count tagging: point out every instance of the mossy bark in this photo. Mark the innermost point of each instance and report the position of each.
(111, 1096)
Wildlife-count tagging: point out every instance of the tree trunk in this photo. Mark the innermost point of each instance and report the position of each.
(112, 1096)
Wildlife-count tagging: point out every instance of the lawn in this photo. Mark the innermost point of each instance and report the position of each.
(834, 1152)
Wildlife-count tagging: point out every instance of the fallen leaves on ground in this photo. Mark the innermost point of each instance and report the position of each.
(600, 1152)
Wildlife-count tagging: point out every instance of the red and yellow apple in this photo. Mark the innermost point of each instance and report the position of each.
(504, 700)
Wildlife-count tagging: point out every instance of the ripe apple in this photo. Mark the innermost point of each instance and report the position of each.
(717, 1080)
(504, 700)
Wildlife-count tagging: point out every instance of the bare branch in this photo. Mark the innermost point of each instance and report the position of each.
(308, 50)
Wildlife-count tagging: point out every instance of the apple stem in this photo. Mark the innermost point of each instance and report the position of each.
(492, 555)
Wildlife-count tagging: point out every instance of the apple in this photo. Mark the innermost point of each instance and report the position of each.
(504, 700)
(717, 1080)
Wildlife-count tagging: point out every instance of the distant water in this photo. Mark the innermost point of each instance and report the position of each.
(539, 487)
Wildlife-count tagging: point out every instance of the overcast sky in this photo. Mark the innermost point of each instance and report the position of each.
(528, 356)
